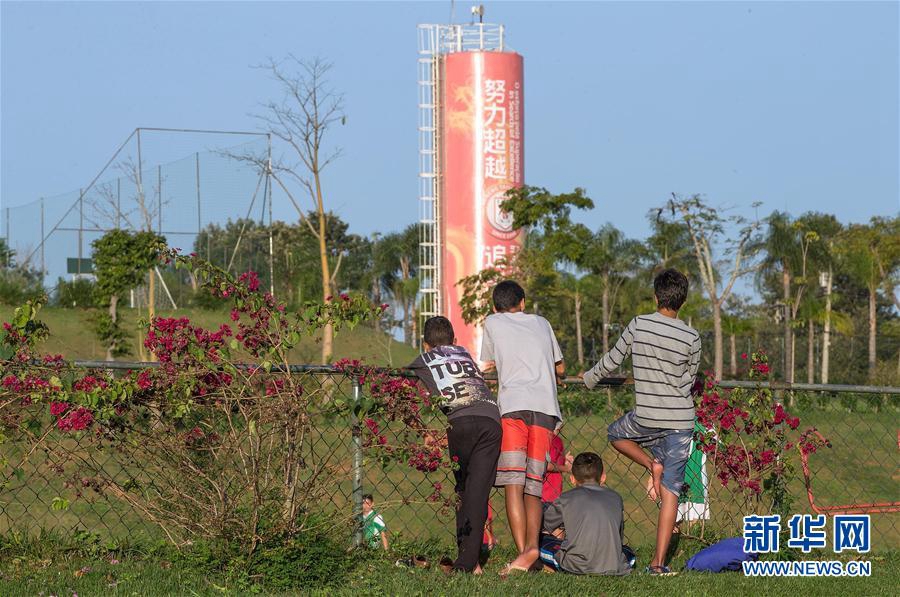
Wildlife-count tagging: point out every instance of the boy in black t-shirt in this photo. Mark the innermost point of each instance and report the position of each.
(474, 435)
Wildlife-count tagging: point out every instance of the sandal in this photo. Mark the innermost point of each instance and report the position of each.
(659, 571)
(510, 570)
(446, 565)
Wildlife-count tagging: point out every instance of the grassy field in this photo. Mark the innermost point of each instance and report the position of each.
(375, 574)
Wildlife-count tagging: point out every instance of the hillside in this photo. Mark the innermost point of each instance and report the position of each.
(71, 334)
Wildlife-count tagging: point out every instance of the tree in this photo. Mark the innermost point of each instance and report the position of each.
(871, 255)
(736, 321)
(121, 259)
(301, 120)
(707, 230)
(787, 245)
(669, 245)
(400, 259)
(611, 257)
(18, 281)
(552, 239)
(820, 264)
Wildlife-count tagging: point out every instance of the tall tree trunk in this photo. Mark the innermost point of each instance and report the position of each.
(793, 356)
(328, 330)
(873, 332)
(826, 331)
(151, 303)
(578, 340)
(114, 316)
(788, 348)
(376, 298)
(810, 352)
(732, 341)
(718, 360)
(407, 328)
(604, 302)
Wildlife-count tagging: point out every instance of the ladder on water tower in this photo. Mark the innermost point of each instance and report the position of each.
(429, 173)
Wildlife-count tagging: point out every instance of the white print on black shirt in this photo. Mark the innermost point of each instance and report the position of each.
(455, 376)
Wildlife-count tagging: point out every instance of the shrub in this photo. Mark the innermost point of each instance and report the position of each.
(750, 439)
(19, 284)
(77, 293)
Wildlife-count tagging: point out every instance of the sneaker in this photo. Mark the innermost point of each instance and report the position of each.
(659, 571)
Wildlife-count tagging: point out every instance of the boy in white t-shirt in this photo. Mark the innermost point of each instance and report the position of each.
(529, 361)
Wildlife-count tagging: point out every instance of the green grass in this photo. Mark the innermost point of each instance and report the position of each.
(376, 575)
(72, 335)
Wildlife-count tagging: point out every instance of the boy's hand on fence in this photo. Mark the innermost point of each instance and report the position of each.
(569, 460)
(432, 440)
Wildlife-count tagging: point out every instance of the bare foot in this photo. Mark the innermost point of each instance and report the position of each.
(656, 473)
(651, 490)
(478, 570)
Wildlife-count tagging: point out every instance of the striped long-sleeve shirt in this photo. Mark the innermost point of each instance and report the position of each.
(665, 354)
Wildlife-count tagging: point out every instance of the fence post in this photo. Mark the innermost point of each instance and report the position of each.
(357, 467)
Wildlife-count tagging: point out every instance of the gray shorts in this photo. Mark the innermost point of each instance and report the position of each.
(671, 447)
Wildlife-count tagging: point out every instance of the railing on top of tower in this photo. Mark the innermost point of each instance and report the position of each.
(470, 37)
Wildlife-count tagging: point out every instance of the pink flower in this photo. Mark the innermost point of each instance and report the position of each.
(76, 420)
(744, 355)
(235, 315)
(143, 380)
(58, 408)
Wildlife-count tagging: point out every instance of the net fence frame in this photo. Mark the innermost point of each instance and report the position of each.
(33, 502)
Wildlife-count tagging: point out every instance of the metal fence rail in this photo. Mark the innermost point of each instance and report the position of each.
(860, 467)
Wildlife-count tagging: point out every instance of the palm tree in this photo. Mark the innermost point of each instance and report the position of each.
(611, 257)
(399, 255)
(871, 254)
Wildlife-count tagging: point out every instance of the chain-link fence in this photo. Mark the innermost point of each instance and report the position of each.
(49, 489)
(199, 178)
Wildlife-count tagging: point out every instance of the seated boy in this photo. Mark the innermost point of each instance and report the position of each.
(528, 360)
(665, 355)
(584, 526)
(448, 371)
(374, 529)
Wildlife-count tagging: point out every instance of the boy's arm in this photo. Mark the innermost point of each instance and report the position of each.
(553, 518)
(694, 361)
(557, 354)
(384, 540)
(487, 350)
(613, 359)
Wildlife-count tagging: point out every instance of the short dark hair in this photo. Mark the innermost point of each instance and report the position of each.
(671, 288)
(507, 295)
(587, 466)
(439, 331)
(367, 497)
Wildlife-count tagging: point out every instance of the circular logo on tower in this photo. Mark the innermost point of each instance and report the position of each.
(501, 221)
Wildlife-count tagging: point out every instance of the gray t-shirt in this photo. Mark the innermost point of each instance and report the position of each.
(594, 524)
(449, 372)
(525, 350)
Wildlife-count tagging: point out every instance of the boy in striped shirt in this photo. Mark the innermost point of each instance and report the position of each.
(665, 354)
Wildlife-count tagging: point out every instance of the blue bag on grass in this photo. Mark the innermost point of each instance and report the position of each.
(727, 554)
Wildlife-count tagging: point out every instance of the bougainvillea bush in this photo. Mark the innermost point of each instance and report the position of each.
(751, 440)
(215, 437)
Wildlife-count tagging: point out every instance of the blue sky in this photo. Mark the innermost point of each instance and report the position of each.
(792, 104)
